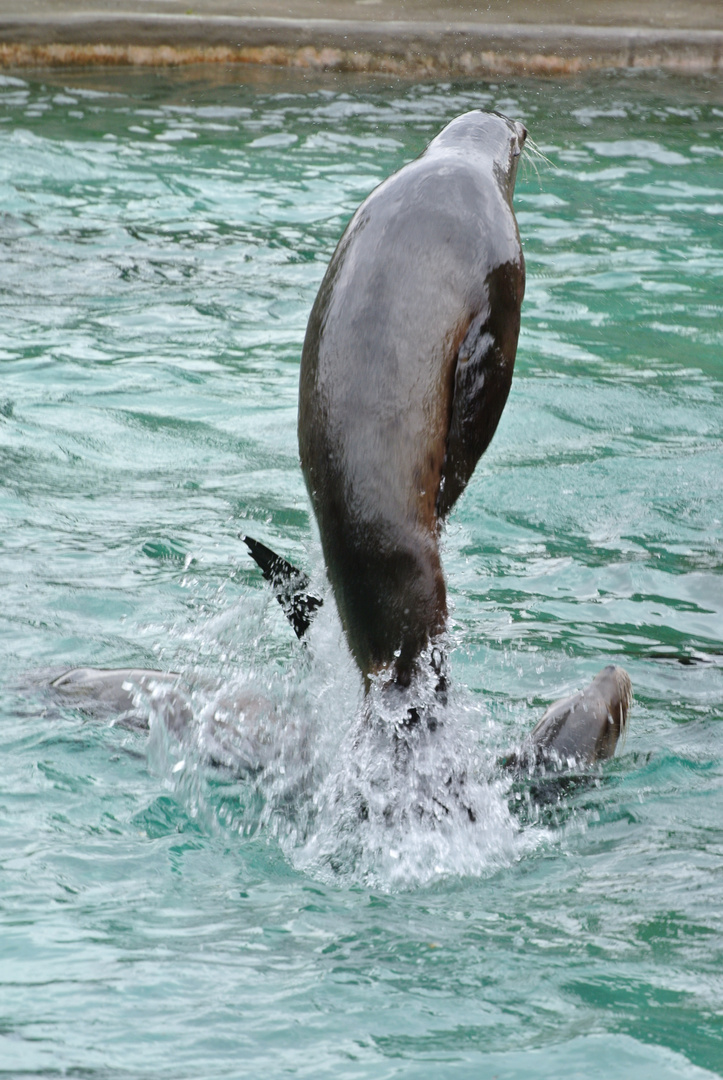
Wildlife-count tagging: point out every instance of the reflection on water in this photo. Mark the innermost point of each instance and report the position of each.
(163, 237)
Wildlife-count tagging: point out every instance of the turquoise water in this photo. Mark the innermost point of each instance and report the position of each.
(163, 237)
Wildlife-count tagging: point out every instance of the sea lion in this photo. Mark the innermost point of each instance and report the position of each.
(118, 692)
(580, 729)
(405, 370)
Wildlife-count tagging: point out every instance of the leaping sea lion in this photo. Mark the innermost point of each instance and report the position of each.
(406, 367)
(405, 371)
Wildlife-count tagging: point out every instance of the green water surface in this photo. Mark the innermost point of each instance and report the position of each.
(163, 236)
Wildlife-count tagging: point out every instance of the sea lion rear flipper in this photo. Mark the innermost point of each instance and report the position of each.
(289, 585)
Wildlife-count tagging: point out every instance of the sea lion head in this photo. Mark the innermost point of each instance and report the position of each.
(580, 729)
(496, 140)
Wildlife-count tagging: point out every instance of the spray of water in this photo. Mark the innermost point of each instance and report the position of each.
(352, 790)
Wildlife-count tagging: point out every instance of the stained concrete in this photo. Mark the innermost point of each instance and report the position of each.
(405, 37)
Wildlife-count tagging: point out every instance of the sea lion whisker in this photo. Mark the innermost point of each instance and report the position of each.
(531, 162)
(534, 149)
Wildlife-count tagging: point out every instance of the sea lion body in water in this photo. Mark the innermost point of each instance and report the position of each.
(575, 731)
(405, 371)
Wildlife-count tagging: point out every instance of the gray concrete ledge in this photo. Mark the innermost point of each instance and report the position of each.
(398, 47)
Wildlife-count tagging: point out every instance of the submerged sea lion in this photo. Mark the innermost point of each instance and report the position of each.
(405, 371)
(574, 732)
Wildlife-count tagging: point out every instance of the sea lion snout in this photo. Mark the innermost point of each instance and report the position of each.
(615, 689)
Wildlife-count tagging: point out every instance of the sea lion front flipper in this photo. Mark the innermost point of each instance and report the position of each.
(581, 729)
(482, 380)
(289, 585)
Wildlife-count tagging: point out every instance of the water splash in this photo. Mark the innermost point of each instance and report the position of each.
(353, 790)
(403, 807)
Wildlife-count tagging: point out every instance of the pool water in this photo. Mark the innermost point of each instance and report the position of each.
(163, 236)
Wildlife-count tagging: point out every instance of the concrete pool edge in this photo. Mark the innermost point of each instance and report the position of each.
(404, 48)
